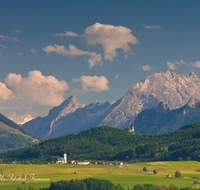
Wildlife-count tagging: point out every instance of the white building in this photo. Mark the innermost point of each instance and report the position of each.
(84, 162)
(62, 160)
(65, 157)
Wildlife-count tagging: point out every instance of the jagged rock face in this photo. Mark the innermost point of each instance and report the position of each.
(174, 90)
(167, 87)
(69, 117)
(151, 121)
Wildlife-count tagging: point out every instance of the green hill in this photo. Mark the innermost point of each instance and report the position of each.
(109, 143)
(13, 136)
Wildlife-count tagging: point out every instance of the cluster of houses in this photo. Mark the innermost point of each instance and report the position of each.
(63, 160)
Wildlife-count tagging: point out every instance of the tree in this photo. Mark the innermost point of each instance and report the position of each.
(180, 159)
(154, 171)
(195, 182)
(177, 174)
(145, 169)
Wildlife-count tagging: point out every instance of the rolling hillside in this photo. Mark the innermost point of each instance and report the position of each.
(109, 143)
(13, 136)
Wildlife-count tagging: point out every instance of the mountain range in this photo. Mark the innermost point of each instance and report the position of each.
(172, 89)
(163, 119)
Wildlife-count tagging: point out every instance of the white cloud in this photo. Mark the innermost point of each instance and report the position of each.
(36, 89)
(4, 37)
(95, 59)
(20, 53)
(16, 39)
(69, 33)
(117, 76)
(180, 62)
(5, 93)
(151, 27)
(110, 37)
(33, 50)
(2, 46)
(17, 30)
(92, 83)
(171, 65)
(146, 68)
(196, 64)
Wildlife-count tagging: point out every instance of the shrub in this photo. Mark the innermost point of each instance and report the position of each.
(195, 182)
(177, 174)
(180, 159)
(145, 169)
(154, 171)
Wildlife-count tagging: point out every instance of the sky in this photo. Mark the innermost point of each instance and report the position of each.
(95, 50)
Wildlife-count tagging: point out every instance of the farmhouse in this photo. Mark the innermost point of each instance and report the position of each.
(84, 162)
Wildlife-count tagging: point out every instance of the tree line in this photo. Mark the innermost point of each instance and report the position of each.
(109, 143)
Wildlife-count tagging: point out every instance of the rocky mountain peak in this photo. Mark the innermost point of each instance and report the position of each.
(192, 102)
(162, 108)
(68, 106)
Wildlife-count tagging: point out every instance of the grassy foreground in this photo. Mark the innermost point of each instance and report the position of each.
(127, 175)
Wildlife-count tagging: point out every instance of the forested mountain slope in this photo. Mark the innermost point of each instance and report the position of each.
(13, 136)
(108, 143)
(162, 119)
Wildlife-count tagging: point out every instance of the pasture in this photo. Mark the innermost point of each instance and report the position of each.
(127, 175)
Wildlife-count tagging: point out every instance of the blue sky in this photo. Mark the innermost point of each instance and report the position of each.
(95, 50)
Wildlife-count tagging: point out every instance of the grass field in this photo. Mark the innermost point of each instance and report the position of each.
(127, 175)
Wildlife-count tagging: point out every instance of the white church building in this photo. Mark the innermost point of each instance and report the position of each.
(62, 160)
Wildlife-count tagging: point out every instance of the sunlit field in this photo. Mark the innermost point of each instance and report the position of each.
(127, 175)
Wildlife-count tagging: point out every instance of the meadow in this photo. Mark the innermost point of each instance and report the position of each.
(127, 175)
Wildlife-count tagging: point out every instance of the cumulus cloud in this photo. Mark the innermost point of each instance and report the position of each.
(5, 93)
(35, 89)
(33, 50)
(69, 33)
(17, 30)
(16, 39)
(171, 65)
(110, 37)
(95, 59)
(196, 64)
(2, 46)
(92, 83)
(4, 37)
(151, 27)
(146, 68)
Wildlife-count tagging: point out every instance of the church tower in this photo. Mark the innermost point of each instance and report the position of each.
(65, 157)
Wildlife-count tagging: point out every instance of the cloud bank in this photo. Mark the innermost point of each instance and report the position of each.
(110, 37)
(36, 89)
(95, 59)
